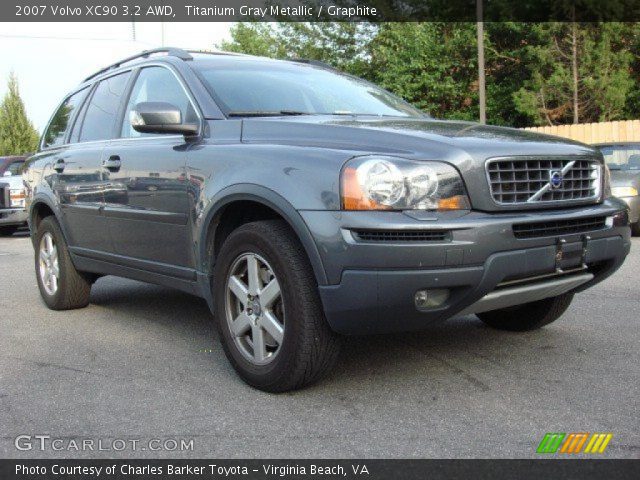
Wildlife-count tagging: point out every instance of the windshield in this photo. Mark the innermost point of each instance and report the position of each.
(263, 89)
(621, 157)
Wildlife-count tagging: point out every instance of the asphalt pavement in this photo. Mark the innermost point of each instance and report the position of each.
(142, 365)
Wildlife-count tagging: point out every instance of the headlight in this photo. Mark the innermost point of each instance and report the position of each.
(17, 197)
(387, 183)
(624, 191)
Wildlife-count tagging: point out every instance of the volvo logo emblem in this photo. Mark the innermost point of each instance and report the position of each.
(555, 178)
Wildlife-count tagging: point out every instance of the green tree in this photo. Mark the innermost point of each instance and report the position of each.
(17, 133)
(432, 65)
(254, 38)
(631, 41)
(507, 70)
(340, 44)
(581, 73)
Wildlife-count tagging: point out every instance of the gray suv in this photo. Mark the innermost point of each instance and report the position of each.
(305, 204)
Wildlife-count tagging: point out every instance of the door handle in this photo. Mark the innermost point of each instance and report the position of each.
(112, 164)
(59, 165)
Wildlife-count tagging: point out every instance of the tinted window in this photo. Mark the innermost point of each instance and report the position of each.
(274, 87)
(59, 124)
(157, 84)
(15, 168)
(77, 124)
(100, 118)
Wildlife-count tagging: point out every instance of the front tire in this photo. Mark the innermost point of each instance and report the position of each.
(268, 310)
(635, 229)
(61, 286)
(529, 316)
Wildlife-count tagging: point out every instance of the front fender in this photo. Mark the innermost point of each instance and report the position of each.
(269, 198)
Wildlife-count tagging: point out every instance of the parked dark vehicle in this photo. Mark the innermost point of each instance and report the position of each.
(12, 195)
(623, 160)
(303, 203)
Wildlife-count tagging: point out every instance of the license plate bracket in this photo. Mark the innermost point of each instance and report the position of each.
(571, 255)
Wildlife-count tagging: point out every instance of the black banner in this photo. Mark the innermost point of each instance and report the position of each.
(582, 469)
(320, 10)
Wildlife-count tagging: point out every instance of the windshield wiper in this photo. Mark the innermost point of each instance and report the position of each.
(257, 113)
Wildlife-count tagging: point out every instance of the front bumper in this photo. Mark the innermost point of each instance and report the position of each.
(13, 216)
(373, 284)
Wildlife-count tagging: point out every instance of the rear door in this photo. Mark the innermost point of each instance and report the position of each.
(68, 166)
(81, 179)
(149, 223)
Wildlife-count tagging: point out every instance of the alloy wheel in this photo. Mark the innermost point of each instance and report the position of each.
(254, 308)
(48, 264)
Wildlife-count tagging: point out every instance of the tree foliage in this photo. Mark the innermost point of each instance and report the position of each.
(17, 133)
(598, 92)
(530, 67)
(432, 65)
(342, 45)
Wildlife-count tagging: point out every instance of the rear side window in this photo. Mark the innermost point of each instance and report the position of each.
(100, 118)
(61, 120)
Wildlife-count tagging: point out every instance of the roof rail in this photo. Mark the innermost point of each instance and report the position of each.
(217, 52)
(173, 52)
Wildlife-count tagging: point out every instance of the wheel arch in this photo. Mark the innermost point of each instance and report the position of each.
(236, 194)
(40, 208)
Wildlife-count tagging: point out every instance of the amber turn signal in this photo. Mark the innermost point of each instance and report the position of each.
(353, 198)
(459, 202)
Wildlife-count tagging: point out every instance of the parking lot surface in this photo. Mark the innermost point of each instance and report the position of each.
(143, 363)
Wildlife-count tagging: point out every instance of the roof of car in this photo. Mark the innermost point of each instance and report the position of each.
(214, 57)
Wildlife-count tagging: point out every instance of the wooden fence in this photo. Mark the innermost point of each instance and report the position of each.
(623, 131)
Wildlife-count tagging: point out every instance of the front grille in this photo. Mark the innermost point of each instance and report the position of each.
(401, 235)
(521, 181)
(4, 195)
(559, 227)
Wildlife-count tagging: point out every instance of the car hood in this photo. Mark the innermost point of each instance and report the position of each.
(407, 136)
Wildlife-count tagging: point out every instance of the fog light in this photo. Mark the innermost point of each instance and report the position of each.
(431, 298)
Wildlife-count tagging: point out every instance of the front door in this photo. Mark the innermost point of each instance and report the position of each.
(149, 223)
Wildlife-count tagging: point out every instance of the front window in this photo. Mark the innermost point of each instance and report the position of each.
(258, 88)
(100, 117)
(622, 157)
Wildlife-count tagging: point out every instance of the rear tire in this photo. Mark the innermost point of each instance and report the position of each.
(635, 229)
(8, 230)
(302, 348)
(529, 316)
(61, 286)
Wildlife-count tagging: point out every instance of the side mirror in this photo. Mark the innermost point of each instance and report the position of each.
(160, 117)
